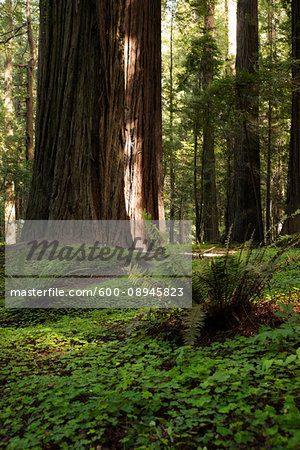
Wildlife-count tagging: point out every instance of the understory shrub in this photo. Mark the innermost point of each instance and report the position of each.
(228, 285)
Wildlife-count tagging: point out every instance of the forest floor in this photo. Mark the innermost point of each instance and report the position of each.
(109, 379)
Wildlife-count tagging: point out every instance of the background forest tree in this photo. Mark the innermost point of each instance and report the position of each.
(203, 123)
(186, 98)
(19, 29)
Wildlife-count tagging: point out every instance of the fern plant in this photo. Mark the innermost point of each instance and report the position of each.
(229, 284)
(237, 279)
(194, 320)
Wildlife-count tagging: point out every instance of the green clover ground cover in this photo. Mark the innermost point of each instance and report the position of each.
(101, 380)
(83, 379)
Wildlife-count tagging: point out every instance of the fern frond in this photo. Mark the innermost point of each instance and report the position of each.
(194, 321)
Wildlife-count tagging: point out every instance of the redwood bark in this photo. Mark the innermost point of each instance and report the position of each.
(143, 122)
(79, 154)
(247, 202)
(292, 225)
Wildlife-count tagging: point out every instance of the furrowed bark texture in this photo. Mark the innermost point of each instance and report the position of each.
(292, 225)
(143, 149)
(79, 157)
(247, 204)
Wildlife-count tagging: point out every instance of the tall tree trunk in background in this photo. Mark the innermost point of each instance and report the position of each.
(278, 197)
(181, 215)
(272, 55)
(143, 120)
(229, 185)
(269, 173)
(198, 201)
(210, 208)
(230, 55)
(8, 75)
(172, 162)
(30, 85)
(247, 202)
(292, 225)
(79, 153)
(9, 207)
(196, 198)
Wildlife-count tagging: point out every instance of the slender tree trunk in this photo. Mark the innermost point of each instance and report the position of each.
(271, 37)
(172, 167)
(196, 199)
(8, 75)
(143, 121)
(247, 202)
(210, 209)
(230, 55)
(292, 225)
(9, 207)
(201, 198)
(278, 196)
(229, 185)
(269, 173)
(181, 225)
(30, 85)
(79, 154)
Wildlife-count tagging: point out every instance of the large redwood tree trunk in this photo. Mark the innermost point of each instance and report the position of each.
(143, 149)
(247, 202)
(292, 225)
(79, 155)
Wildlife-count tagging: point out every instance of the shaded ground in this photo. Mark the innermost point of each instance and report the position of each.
(121, 379)
(108, 381)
